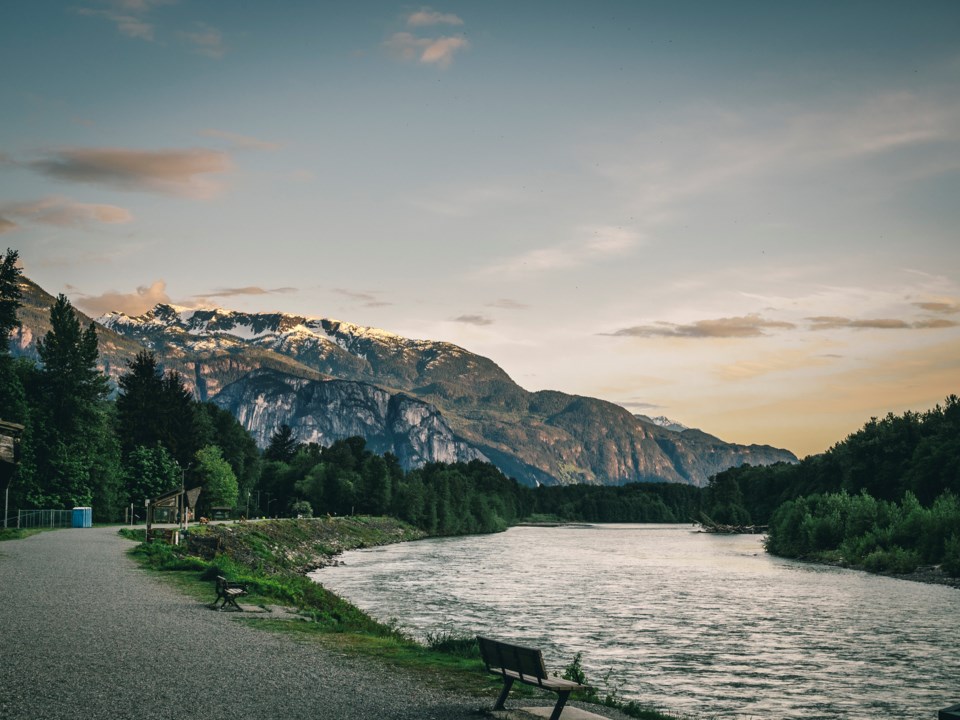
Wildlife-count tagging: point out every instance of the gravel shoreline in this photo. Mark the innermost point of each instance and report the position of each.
(87, 633)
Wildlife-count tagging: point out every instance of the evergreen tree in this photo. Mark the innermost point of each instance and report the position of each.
(10, 295)
(70, 458)
(155, 409)
(283, 445)
(13, 406)
(71, 383)
(138, 404)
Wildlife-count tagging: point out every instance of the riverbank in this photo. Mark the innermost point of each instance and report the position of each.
(272, 557)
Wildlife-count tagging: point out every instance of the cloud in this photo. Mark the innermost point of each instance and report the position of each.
(949, 306)
(830, 322)
(480, 320)
(135, 303)
(638, 405)
(248, 290)
(751, 325)
(368, 299)
(508, 304)
(241, 141)
(172, 172)
(129, 16)
(205, 40)
(598, 243)
(425, 17)
(129, 25)
(428, 51)
(64, 212)
(7, 225)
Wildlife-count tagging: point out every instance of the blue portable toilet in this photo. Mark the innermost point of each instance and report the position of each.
(82, 517)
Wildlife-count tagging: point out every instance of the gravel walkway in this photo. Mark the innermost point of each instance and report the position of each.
(85, 633)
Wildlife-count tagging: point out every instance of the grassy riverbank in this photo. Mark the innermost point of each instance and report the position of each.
(272, 557)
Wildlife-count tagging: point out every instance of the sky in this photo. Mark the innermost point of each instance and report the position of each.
(740, 215)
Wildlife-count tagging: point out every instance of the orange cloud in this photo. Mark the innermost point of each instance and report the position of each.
(173, 172)
(135, 303)
(752, 325)
(65, 212)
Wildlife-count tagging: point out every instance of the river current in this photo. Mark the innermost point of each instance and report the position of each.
(695, 623)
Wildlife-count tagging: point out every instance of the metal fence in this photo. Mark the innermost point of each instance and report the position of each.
(44, 518)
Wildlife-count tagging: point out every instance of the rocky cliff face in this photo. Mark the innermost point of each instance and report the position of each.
(421, 400)
(325, 411)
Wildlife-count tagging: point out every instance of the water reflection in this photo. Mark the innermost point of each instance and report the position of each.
(696, 623)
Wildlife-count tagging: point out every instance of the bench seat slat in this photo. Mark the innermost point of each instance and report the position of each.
(548, 683)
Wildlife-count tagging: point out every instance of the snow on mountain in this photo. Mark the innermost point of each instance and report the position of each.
(664, 422)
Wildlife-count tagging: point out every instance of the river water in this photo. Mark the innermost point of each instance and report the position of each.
(703, 624)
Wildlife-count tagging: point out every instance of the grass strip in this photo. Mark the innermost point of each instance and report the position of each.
(271, 557)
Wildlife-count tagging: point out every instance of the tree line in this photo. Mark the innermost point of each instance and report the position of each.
(885, 498)
(82, 447)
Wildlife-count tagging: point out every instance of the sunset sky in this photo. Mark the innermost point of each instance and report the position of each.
(742, 215)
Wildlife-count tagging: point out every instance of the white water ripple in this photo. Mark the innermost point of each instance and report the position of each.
(703, 624)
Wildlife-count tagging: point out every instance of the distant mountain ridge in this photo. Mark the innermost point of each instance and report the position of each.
(423, 400)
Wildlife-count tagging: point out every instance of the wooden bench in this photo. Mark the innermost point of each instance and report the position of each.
(514, 662)
(228, 592)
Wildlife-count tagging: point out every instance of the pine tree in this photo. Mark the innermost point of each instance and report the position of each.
(70, 458)
(283, 445)
(71, 383)
(155, 409)
(12, 401)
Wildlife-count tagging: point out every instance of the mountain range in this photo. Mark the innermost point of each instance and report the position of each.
(422, 400)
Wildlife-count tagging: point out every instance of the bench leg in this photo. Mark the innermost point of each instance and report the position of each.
(507, 684)
(558, 708)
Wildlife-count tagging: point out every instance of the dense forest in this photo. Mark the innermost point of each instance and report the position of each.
(885, 498)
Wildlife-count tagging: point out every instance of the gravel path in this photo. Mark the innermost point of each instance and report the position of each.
(85, 633)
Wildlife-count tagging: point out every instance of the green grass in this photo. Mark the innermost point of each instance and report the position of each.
(17, 533)
(269, 557)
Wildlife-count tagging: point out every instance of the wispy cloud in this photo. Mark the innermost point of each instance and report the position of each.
(245, 142)
(131, 17)
(135, 303)
(639, 405)
(949, 306)
(479, 320)
(437, 51)
(174, 172)
(425, 17)
(720, 149)
(248, 290)
(367, 299)
(596, 243)
(508, 304)
(7, 225)
(205, 40)
(64, 212)
(746, 326)
(128, 25)
(833, 323)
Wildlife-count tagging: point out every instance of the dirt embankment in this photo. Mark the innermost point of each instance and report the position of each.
(297, 546)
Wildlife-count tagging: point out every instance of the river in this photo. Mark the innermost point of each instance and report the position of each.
(689, 622)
